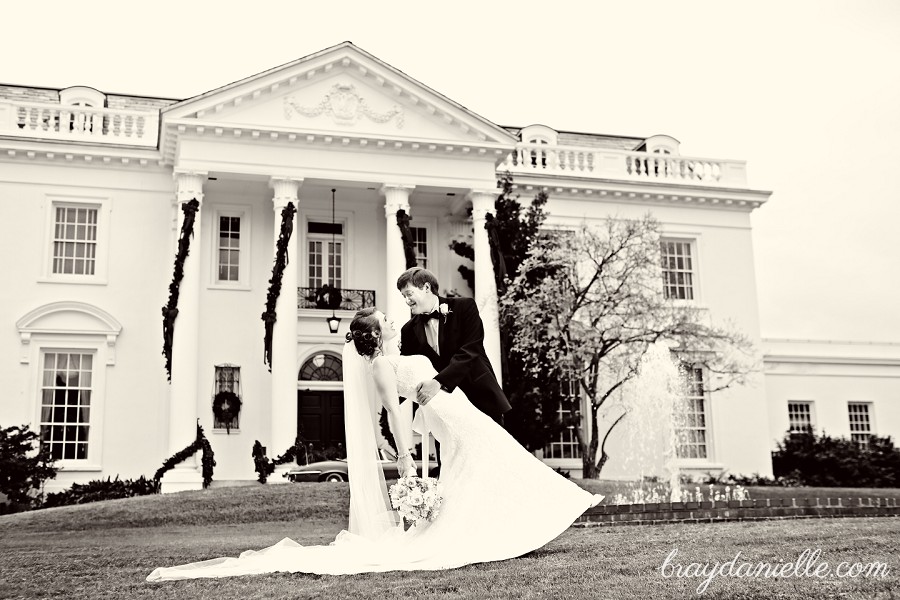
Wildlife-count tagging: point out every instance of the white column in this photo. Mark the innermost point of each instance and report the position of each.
(184, 390)
(284, 334)
(396, 197)
(485, 285)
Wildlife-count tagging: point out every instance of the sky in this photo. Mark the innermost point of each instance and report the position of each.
(807, 92)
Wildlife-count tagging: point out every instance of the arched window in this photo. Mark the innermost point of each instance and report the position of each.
(322, 367)
(82, 96)
(536, 135)
(80, 118)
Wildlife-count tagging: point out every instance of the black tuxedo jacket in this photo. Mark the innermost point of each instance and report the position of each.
(462, 362)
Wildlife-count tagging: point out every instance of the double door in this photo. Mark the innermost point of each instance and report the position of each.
(320, 420)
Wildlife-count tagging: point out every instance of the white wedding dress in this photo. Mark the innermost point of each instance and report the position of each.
(500, 502)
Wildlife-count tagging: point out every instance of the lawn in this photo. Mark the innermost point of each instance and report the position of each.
(105, 550)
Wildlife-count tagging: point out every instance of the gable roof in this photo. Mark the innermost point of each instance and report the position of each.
(362, 95)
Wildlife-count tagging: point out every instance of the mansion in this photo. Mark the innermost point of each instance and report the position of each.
(99, 189)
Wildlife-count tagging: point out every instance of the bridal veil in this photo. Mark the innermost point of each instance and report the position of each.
(370, 508)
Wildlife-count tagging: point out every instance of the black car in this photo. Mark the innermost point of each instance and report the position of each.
(336, 470)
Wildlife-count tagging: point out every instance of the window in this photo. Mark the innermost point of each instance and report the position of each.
(800, 417)
(420, 245)
(325, 259)
(75, 239)
(229, 249)
(68, 348)
(226, 411)
(538, 158)
(566, 443)
(322, 367)
(66, 404)
(691, 429)
(860, 422)
(677, 269)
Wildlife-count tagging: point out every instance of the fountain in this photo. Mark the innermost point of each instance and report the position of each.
(647, 444)
(644, 446)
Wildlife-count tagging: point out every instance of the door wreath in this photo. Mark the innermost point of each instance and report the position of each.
(226, 408)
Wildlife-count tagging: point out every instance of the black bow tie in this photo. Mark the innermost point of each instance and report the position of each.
(432, 315)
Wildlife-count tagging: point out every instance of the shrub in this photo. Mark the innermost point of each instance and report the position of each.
(24, 465)
(94, 491)
(747, 480)
(825, 461)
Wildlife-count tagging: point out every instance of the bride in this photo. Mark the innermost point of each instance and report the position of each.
(499, 501)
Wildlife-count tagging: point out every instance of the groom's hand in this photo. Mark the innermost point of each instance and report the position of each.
(426, 390)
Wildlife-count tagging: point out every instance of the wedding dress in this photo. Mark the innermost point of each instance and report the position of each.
(500, 502)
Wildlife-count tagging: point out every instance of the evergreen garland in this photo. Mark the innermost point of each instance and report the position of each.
(170, 310)
(281, 260)
(266, 467)
(466, 251)
(207, 460)
(497, 259)
(409, 246)
(260, 463)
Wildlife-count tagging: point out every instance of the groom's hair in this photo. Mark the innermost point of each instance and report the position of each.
(418, 277)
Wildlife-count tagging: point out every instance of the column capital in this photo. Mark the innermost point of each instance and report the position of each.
(396, 196)
(189, 185)
(482, 202)
(387, 188)
(284, 190)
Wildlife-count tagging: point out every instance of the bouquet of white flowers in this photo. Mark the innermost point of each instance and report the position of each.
(416, 498)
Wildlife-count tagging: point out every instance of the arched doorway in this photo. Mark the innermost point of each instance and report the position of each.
(320, 407)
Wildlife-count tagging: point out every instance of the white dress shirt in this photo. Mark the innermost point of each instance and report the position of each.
(432, 328)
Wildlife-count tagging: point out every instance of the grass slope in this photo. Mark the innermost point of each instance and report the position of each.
(106, 549)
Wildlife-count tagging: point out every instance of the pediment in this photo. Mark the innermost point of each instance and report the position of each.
(69, 317)
(342, 91)
(69, 320)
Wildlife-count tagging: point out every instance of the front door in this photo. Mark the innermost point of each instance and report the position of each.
(320, 420)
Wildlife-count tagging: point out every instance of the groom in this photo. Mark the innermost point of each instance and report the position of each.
(450, 333)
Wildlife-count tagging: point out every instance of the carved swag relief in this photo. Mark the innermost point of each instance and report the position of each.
(345, 106)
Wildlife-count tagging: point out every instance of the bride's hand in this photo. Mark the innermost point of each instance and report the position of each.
(406, 466)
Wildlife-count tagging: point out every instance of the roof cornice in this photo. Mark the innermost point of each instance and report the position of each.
(644, 192)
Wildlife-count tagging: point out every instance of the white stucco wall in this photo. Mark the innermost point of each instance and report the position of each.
(131, 289)
(829, 374)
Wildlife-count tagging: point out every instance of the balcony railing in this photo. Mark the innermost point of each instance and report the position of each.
(78, 123)
(329, 298)
(602, 163)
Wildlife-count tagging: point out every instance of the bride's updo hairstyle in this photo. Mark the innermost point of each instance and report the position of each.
(365, 332)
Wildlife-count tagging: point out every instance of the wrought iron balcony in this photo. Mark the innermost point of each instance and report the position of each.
(329, 298)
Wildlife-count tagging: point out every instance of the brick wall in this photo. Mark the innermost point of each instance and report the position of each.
(735, 510)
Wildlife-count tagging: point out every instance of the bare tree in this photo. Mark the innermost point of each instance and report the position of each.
(593, 300)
